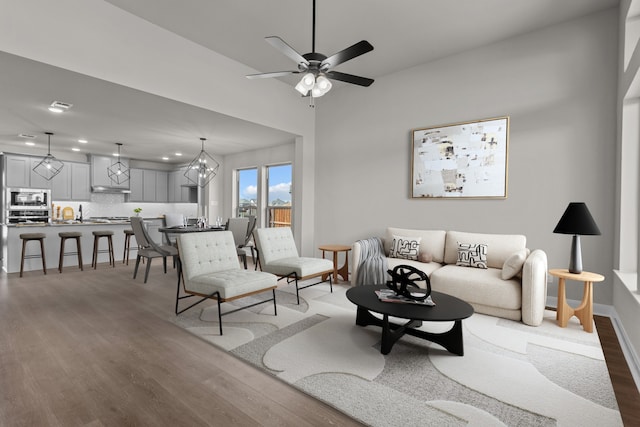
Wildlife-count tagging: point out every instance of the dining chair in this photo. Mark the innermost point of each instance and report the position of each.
(249, 244)
(148, 248)
(171, 220)
(238, 228)
(210, 269)
(278, 254)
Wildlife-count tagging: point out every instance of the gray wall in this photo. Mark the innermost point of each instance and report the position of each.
(558, 85)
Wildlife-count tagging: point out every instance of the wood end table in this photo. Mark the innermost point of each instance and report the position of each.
(584, 312)
(342, 271)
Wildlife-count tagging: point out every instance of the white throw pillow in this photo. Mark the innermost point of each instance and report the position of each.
(513, 265)
(472, 255)
(405, 247)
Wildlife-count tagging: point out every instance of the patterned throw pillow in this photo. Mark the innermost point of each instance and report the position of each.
(472, 255)
(405, 247)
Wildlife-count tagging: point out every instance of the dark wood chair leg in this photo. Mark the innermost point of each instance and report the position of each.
(44, 261)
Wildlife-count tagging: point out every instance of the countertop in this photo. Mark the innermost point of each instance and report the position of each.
(74, 222)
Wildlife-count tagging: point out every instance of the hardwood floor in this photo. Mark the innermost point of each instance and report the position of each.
(624, 386)
(96, 348)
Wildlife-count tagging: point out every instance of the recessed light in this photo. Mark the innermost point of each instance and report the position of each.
(82, 141)
(178, 154)
(75, 149)
(30, 143)
(165, 158)
(26, 135)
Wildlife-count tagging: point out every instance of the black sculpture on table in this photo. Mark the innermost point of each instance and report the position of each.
(403, 282)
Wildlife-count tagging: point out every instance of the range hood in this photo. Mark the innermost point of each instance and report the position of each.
(112, 190)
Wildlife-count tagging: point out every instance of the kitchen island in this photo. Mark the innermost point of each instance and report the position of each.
(12, 244)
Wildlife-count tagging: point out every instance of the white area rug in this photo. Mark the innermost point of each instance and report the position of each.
(511, 374)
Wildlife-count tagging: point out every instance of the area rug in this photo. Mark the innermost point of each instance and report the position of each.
(511, 374)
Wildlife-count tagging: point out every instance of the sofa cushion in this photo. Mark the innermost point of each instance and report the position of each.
(499, 246)
(431, 241)
(513, 265)
(472, 255)
(427, 268)
(405, 247)
(473, 285)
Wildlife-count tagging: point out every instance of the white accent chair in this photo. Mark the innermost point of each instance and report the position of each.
(277, 254)
(209, 268)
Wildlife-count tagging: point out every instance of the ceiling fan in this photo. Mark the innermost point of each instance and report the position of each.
(316, 67)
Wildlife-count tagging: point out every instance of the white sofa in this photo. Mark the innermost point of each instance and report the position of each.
(522, 297)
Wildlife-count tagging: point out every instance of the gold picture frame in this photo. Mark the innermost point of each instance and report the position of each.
(461, 160)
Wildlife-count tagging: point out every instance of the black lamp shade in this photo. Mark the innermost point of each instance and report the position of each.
(577, 220)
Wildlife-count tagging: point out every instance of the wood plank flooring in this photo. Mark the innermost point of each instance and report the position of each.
(96, 348)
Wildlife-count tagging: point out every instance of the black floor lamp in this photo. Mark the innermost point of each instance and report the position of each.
(577, 220)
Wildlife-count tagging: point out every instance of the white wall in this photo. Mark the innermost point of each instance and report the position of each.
(558, 85)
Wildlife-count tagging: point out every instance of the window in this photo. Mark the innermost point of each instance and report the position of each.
(279, 195)
(247, 193)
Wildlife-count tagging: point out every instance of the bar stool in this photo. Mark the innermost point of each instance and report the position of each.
(96, 239)
(70, 235)
(127, 246)
(26, 237)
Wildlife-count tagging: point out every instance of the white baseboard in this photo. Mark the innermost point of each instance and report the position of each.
(627, 349)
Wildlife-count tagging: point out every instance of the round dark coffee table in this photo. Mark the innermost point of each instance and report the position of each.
(447, 309)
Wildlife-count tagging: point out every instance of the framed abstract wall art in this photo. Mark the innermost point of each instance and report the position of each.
(461, 160)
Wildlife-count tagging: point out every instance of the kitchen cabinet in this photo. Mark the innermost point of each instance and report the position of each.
(135, 176)
(61, 184)
(99, 174)
(162, 186)
(80, 177)
(72, 183)
(181, 190)
(18, 171)
(148, 185)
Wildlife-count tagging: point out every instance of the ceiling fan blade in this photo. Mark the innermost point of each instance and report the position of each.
(349, 78)
(344, 55)
(272, 74)
(283, 47)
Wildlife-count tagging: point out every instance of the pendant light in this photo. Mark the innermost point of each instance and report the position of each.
(203, 168)
(49, 166)
(118, 172)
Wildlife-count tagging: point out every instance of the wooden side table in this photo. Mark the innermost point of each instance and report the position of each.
(584, 312)
(336, 249)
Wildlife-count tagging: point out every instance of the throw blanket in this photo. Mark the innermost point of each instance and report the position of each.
(373, 263)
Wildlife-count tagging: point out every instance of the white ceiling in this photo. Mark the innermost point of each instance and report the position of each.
(404, 33)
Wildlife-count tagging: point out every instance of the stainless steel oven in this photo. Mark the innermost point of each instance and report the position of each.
(28, 205)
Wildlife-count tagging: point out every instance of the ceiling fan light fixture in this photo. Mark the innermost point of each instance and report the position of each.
(322, 86)
(306, 83)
